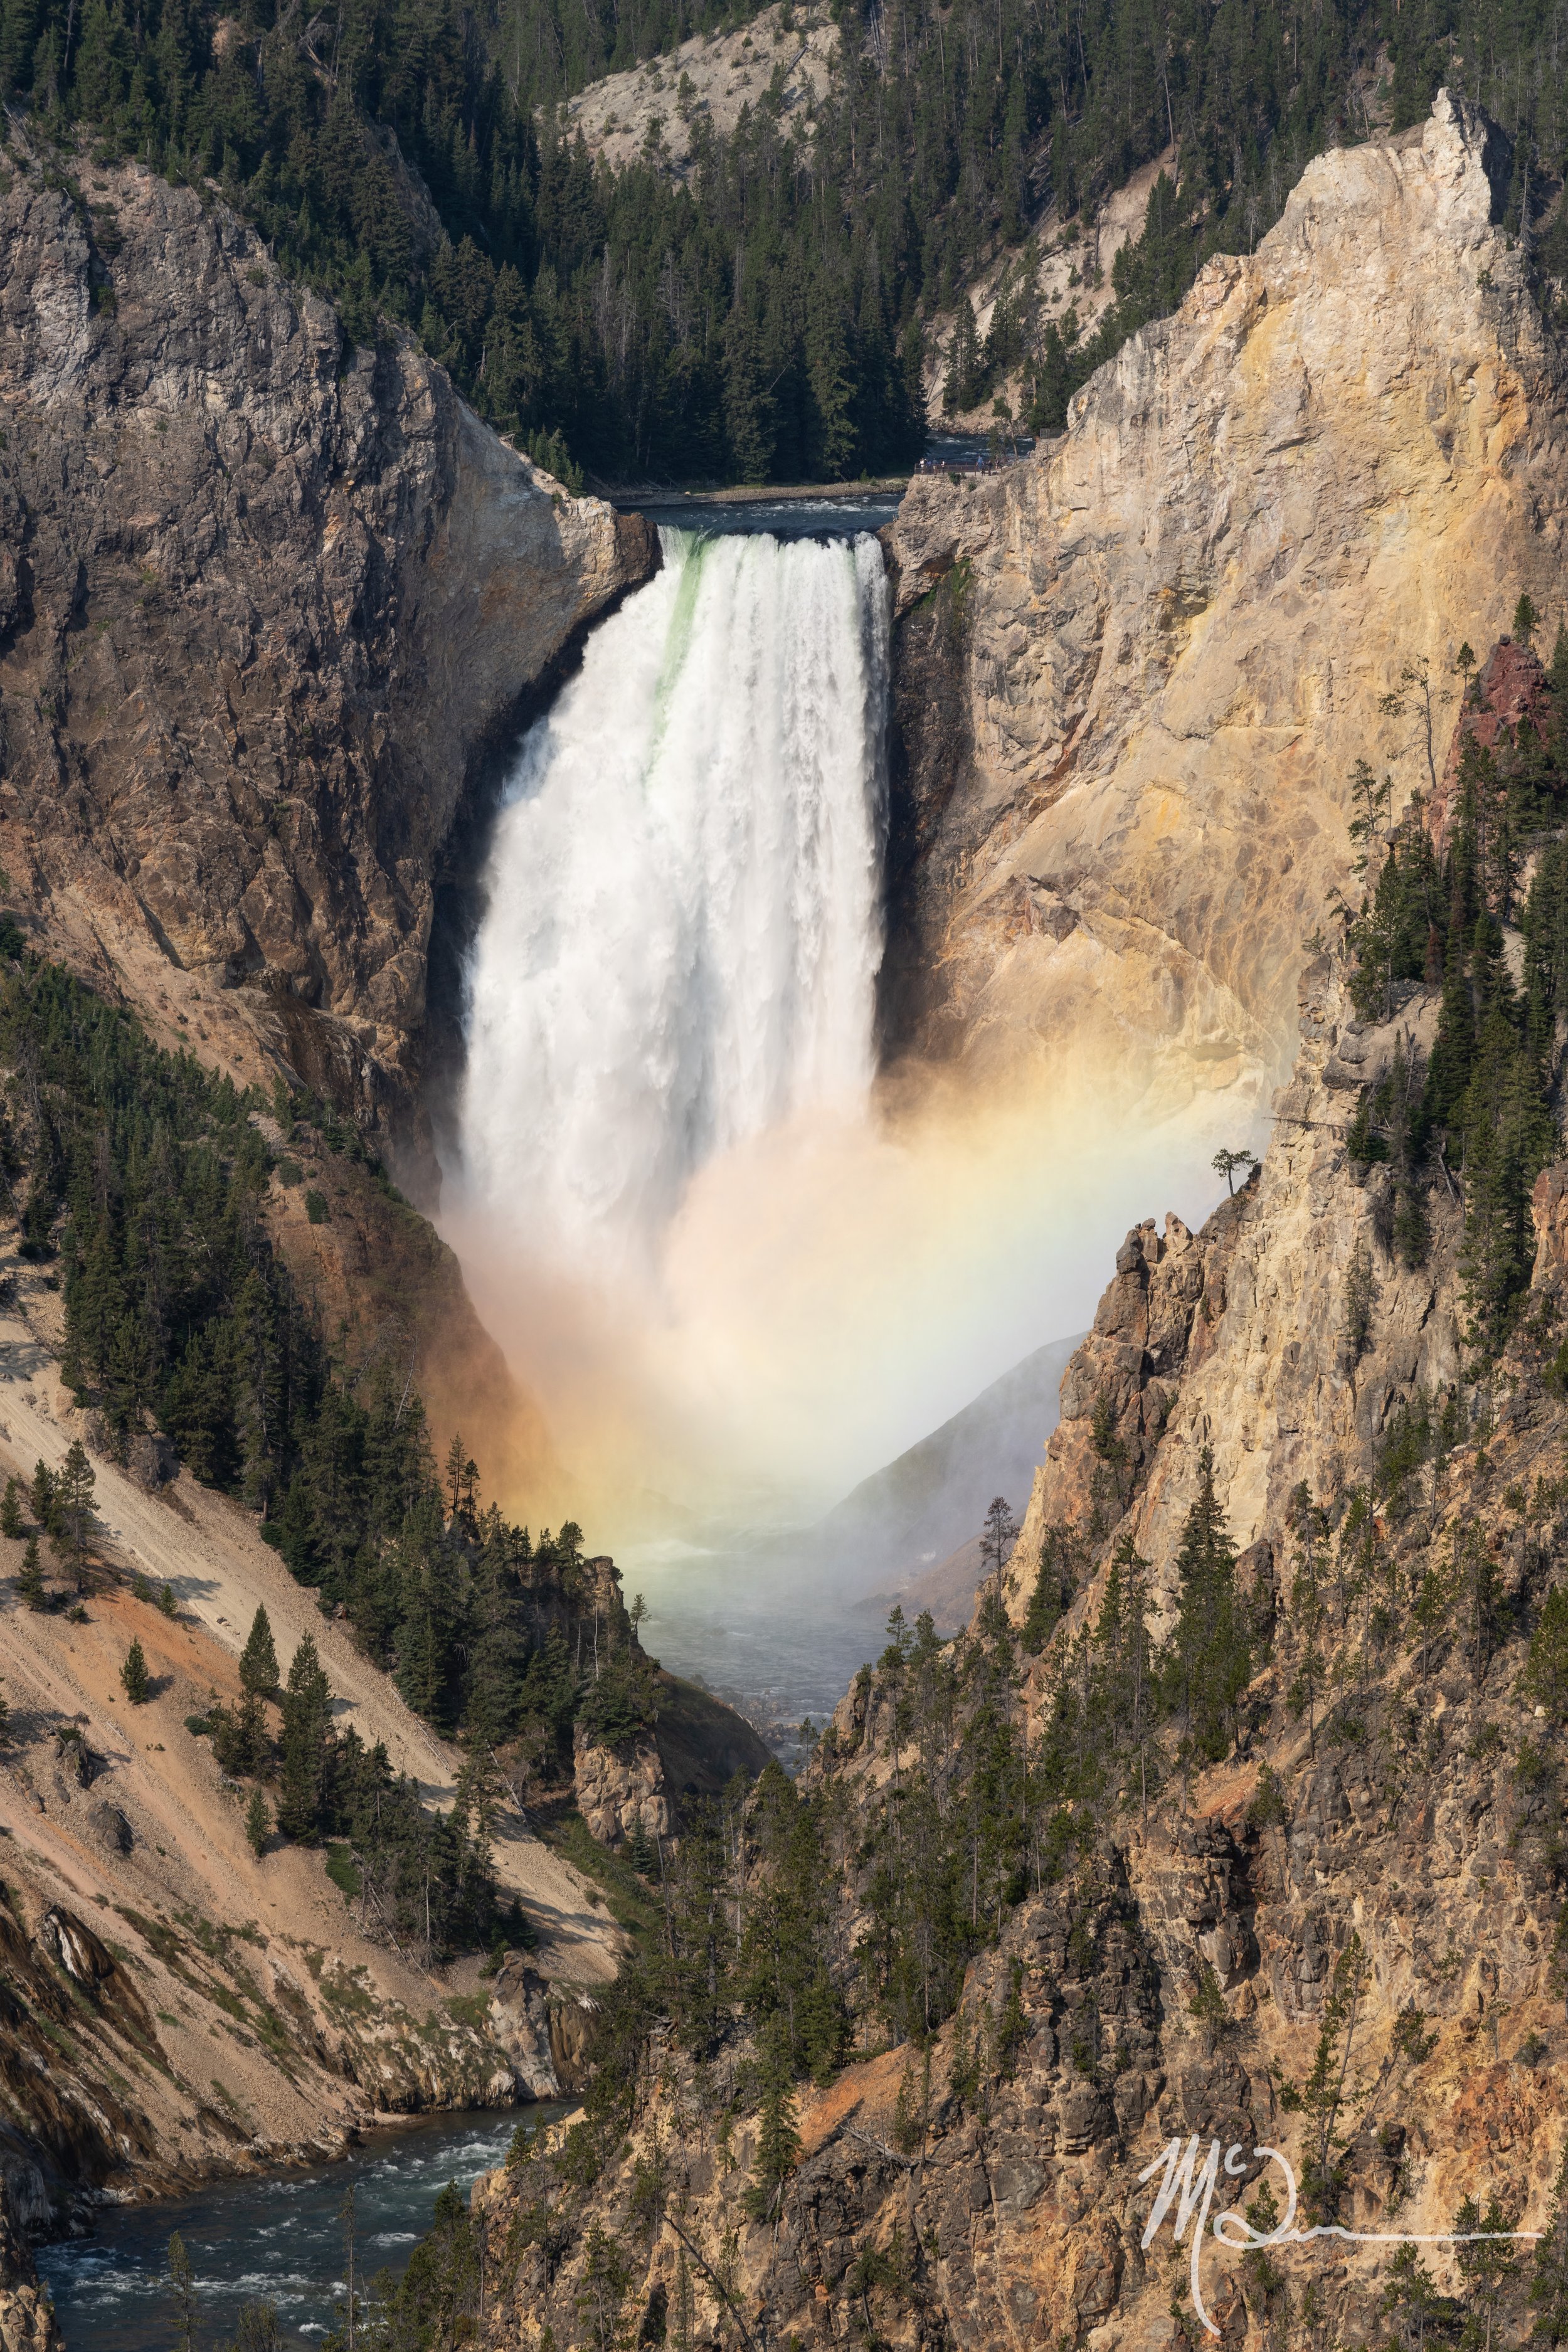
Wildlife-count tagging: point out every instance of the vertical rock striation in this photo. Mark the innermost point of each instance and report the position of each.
(1134, 675)
(267, 606)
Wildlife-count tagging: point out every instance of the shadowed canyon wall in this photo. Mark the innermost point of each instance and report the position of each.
(268, 605)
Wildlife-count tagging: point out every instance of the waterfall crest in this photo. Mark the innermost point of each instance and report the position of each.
(683, 919)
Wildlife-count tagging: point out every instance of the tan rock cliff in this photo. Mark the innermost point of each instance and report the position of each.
(1236, 1338)
(1135, 673)
(620, 1790)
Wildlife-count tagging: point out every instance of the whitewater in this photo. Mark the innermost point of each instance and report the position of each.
(684, 919)
(735, 1264)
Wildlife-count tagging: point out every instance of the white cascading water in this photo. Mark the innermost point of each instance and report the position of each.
(683, 922)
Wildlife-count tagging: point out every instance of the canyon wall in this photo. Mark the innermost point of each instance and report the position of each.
(269, 605)
(1389, 1856)
(1134, 677)
(1368, 1878)
(1238, 1339)
(1133, 674)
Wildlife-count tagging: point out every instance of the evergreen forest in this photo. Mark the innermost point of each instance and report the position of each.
(762, 317)
(1476, 1117)
(140, 1180)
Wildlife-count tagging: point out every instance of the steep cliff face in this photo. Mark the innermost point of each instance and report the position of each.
(267, 606)
(1367, 1884)
(1244, 1340)
(1134, 674)
(1323, 1947)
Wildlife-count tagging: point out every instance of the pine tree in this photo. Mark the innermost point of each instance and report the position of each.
(456, 1462)
(1307, 1612)
(259, 1659)
(257, 2330)
(1321, 2098)
(1449, 1070)
(133, 1675)
(1545, 1678)
(1487, 2263)
(241, 1743)
(1126, 1660)
(30, 1576)
(1557, 674)
(4, 1720)
(307, 1731)
(496, 1638)
(997, 1538)
(965, 385)
(429, 1603)
(1360, 1302)
(778, 2140)
(750, 419)
(257, 1823)
(606, 2281)
(11, 1521)
(1208, 1661)
(42, 1496)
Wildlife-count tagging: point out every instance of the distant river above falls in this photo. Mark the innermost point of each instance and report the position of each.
(277, 2239)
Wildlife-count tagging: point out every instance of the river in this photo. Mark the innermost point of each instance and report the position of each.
(277, 2239)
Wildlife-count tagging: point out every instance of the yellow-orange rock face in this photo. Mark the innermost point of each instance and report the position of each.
(1135, 673)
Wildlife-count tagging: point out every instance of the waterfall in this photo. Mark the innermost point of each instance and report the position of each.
(682, 924)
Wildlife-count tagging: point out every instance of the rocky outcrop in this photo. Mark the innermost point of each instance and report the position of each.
(1236, 1339)
(1153, 1325)
(1134, 674)
(619, 1789)
(782, 58)
(267, 606)
(1268, 1380)
(26, 2314)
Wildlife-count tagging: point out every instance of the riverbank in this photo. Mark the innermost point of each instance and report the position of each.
(188, 2002)
(279, 2238)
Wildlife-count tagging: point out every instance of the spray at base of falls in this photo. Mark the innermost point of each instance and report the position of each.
(717, 1258)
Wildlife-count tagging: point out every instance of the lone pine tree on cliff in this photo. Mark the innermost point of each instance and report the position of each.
(1209, 1661)
(257, 1823)
(1000, 1535)
(259, 1659)
(1225, 1163)
(133, 1675)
